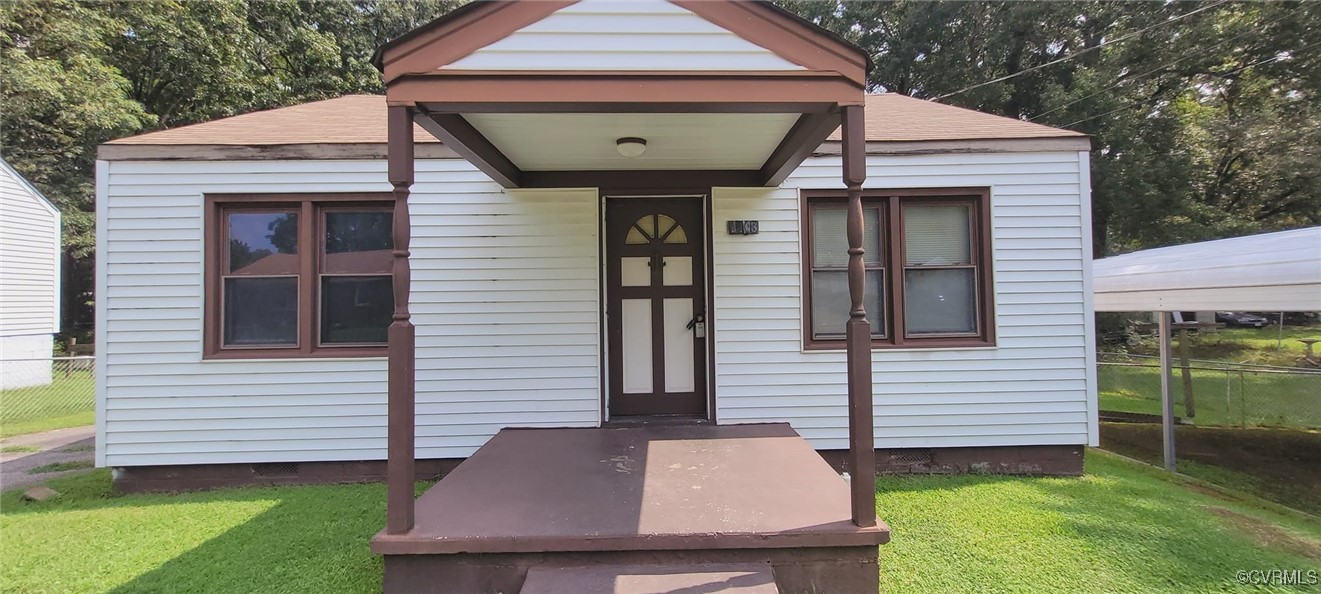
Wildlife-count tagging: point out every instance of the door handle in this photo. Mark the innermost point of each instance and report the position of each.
(698, 326)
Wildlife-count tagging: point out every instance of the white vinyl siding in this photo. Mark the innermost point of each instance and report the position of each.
(504, 298)
(623, 35)
(29, 262)
(1032, 388)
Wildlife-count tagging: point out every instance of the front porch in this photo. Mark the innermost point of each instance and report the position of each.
(681, 501)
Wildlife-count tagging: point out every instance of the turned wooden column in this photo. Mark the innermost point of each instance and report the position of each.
(399, 462)
(862, 453)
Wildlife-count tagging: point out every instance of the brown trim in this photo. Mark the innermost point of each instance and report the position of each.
(432, 149)
(807, 134)
(857, 334)
(197, 477)
(215, 250)
(1030, 144)
(426, 149)
(643, 180)
(461, 136)
(638, 89)
(1032, 460)
(1063, 460)
(401, 376)
(470, 28)
(458, 34)
(891, 200)
(832, 569)
(708, 214)
(786, 35)
(626, 107)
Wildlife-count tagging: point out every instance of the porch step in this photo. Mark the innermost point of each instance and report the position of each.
(743, 578)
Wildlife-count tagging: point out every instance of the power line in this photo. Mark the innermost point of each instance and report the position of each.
(1235, 71)
(1085, 51)
(1152, 71)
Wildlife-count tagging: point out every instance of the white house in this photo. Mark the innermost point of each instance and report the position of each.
(509, 290)
(678, 238)
(29, 281)
(244, 273)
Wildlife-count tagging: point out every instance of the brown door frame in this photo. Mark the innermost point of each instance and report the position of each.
(699, 242)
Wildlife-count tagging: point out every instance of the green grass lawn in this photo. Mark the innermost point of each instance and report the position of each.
(1255, 345)
(66, 402)
(1122, 528)
(1254, 399)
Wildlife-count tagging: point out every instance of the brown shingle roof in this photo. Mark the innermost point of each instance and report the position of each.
(900, 118)
(361, 119)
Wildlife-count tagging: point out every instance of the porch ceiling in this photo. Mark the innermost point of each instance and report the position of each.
(755, 136)
(675, 141)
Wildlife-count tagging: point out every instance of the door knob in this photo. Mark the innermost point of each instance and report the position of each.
(698, 326)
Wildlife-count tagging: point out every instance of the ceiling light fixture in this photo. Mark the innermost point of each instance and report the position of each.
(631, 147)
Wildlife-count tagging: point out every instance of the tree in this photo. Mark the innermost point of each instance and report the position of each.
(76, 74)
(61, 97)
(1185, 145)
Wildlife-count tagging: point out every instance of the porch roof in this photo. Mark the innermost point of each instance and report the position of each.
(894, 122)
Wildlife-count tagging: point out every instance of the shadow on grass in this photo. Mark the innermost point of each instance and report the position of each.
(278, 539)
(1121, 528)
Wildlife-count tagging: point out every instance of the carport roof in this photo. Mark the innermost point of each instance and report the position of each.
(1268, 272)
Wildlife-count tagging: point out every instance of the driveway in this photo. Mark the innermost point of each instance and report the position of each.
(61, 445)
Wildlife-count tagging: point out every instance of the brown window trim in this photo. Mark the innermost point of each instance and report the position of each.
(309, 207)
(890, 201)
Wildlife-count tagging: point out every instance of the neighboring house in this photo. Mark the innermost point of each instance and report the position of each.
(244, 271)
(29, 281)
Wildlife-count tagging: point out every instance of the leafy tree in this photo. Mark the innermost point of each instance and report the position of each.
(1201, 114)
(75, 74)
(62, 96)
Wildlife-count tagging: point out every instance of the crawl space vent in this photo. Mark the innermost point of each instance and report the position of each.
(275, 469)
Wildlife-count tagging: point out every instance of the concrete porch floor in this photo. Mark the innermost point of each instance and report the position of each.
(649, 495)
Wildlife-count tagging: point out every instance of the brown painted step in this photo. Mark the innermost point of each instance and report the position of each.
(745, 578)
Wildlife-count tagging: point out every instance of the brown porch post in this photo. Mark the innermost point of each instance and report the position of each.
(862, 455)
(399, 461)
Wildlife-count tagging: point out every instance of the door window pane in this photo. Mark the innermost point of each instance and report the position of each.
(830, 242)
(940, 301)
(831, 302)
(936, 235)
(262, 242)
(261, 311)
(356, 309)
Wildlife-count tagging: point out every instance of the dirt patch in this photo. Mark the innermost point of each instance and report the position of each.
(1269, 535)
(1281, 465)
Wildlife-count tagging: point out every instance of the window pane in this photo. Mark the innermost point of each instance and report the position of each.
(358, 241)
(941, 301)
(936, 235)
(356, 309)
(830, 302)
(830, 242)
(261, 311)
(262, 242)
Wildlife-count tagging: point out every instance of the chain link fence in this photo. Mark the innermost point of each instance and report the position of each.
(45, 394)
(1211, 393)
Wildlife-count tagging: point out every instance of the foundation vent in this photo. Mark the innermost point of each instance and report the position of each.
(911, 458)
(275, 469)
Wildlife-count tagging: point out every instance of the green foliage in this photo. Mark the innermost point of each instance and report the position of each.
(74, 74)
(1202, 127)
